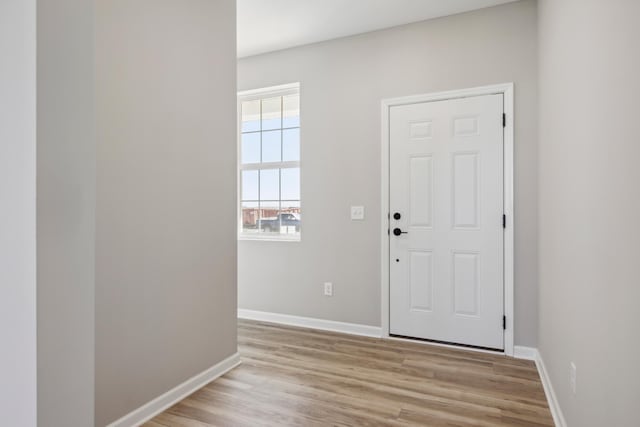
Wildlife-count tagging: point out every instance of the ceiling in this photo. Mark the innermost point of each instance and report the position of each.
(268, 25)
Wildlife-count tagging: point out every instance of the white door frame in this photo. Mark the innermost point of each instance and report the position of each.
(506, 90)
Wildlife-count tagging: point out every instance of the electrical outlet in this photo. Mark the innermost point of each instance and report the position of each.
(573, 372)
(328, 289)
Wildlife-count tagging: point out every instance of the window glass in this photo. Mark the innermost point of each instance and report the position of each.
(290, 184)
(291, 111)
(291, 219)
(251, 116)
(250, 217)
(250, 185)
(291, 145)
(272, 113)
(269, 184)
(271, 146)
(250, 148)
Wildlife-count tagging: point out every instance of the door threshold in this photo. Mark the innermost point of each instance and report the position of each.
(447, 344)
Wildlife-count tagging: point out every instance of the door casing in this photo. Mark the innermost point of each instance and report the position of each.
(507, 90)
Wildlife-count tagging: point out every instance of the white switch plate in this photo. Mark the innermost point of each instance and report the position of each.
(357, 213)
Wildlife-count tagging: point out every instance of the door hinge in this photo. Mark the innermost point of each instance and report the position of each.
(504, 322)
(504, 120)
(504, 221)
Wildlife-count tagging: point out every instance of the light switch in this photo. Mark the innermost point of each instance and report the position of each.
(357, 213)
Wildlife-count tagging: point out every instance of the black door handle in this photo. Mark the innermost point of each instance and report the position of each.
(397, 232)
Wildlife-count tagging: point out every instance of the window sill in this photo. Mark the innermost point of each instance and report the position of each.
(258, 238)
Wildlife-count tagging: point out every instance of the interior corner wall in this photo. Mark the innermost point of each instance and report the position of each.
(166, 199)
(18, 394)
(342, 84)
(589, 207)
(65, 212)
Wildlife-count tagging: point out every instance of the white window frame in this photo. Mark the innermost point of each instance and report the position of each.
(252, 95)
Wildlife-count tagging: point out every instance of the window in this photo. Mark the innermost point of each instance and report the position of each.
(269, 157)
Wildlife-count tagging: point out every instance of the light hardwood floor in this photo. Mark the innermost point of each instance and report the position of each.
(301, 377)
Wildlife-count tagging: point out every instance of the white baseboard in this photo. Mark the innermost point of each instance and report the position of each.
(528, 353)
(176, 394)
(309, 322)
(554, 405)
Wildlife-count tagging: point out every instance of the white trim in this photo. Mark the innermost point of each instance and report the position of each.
(554, 405)
(262, 238)
(280, 90)
(509, 232)
(384, 219)
(270, 165)
(312, 323)
(526, 353)
(507, 90)
(176, 394)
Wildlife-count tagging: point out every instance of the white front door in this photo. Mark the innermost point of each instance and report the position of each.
(446, 198)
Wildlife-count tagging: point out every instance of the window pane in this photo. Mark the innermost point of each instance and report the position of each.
(271, 113)
(251, 147)
(251, 116)
(290, 179)
(271, 151)
(290, 219)
(250, 217)
(291, 111)
(269, 222)
(269, 184)
(291, 145)
(249, 185)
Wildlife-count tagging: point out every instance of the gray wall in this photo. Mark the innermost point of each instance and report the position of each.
(166, 203)
(589, 207)
(342, 84)
(65, 212)
(18, 212)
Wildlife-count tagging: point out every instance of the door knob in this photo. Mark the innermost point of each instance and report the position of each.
(397, 216)
(397, 232)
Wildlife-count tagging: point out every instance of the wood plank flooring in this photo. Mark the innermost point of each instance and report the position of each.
(301, 377)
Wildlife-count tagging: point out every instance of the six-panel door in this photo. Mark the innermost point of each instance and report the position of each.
(446, 184)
